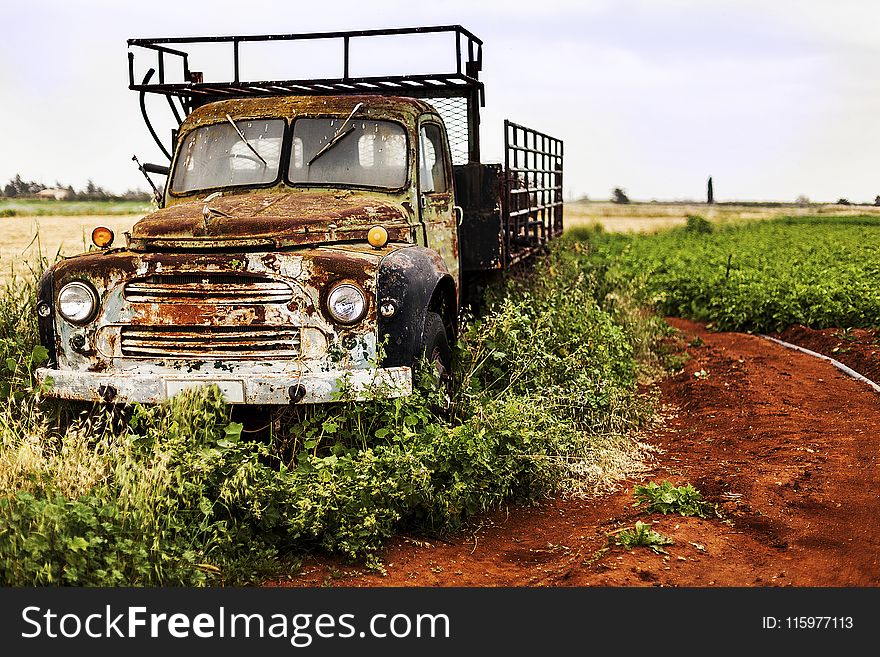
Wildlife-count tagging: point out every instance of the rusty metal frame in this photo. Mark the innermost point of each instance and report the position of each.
(532, 196)
(463, 82)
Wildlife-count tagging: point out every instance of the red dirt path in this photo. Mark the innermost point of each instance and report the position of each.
(784, 443)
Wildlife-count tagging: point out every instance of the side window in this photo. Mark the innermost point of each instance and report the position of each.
(432, 160)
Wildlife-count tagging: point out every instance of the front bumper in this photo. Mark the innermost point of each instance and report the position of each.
(305, 388)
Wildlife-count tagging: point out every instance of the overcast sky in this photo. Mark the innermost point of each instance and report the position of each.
(773, 99)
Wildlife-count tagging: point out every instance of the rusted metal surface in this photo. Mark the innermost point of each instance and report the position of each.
(218, 332)
(207, 287)
(278, 218)
(478, 190)
(442, 232)
(373, 106)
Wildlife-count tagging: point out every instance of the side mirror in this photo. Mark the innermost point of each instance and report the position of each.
(157, 168)
(152, 168)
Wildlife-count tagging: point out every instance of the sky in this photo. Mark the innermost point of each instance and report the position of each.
(774, 100)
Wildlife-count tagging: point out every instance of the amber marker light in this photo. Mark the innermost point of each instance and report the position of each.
(102, 237)
(377, 237)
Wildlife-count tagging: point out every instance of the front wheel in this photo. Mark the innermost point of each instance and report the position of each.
(436, 352)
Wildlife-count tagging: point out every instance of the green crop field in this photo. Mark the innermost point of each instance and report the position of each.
(48, 208)
(763, 276)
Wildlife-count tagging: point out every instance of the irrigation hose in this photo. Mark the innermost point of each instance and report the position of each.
(843, 368)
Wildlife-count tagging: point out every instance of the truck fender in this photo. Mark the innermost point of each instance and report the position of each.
(46, 325)
(414, 280)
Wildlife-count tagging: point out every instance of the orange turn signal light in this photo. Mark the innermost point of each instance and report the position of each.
(377, 237)
(102, 237)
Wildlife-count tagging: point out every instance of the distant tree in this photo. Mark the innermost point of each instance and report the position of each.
(877, 200)
(135, 195)
(619, 196)
(803, 199)
(14, 187)
(19, 187)
(843, 201)
(93, 192)
(710, 192)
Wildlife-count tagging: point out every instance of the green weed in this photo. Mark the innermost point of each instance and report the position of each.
(697, 224)
(666, 498)
(642, 536)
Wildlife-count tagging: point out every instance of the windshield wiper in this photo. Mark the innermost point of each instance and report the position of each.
(246, 142)
(337, 137)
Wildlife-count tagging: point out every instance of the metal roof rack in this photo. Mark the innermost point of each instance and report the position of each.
(463, 83)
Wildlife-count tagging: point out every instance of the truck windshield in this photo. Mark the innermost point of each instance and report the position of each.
(357, 152)
(218, 156)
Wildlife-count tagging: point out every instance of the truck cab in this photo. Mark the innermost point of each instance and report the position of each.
(306, 250)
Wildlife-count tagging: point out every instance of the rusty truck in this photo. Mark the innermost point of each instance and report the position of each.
(314, 236)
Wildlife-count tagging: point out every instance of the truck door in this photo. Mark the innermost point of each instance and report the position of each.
(435, 194)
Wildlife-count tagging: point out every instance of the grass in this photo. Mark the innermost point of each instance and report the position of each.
(48, 208)
(547, 402)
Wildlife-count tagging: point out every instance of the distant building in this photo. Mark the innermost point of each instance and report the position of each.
(55, 193)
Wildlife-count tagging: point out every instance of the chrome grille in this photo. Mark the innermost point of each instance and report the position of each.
(208, 288)
(210, 341)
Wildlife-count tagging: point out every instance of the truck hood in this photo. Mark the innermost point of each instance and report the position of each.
(275, 220)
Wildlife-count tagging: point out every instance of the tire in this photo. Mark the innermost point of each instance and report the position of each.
(435, 349)
(101, 416)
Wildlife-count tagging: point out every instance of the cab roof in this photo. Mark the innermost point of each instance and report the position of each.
(399, 108)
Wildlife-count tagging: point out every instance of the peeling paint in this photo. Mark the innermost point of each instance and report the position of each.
(240, 299)
(297, 219)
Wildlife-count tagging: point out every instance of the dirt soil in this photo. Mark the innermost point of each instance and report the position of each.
(785, 444)
(856, 348)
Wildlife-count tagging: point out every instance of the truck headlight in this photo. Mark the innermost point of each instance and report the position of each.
(346, 303)
(77, 302)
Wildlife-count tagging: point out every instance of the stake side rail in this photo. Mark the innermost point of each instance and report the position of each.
(532, 193)
(190, 90)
